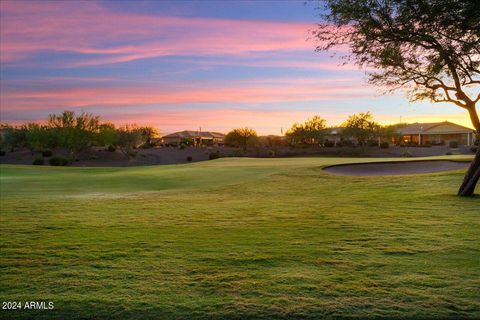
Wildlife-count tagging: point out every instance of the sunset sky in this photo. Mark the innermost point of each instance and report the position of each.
(184, 65)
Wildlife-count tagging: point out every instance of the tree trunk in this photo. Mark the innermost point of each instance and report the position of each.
(471, 178)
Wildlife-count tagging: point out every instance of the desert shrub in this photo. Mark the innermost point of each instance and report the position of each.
(238, 153)
(453, 144)
(214, 155)
(2, 153)
(58, 161)
(329, 144)
(111, 148)
(38, 162)
(384, 145)
(189, 158)
(47, 153)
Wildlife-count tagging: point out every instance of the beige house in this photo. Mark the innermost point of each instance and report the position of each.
(195, 138)
(437, 133)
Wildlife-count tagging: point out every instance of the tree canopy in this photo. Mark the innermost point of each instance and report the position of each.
(310, 132)
(430, 48)
(241, 137)
(362, 127)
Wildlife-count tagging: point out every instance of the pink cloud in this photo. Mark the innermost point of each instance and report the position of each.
(88, 28)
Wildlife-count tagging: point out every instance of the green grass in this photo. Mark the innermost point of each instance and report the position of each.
(237, 239)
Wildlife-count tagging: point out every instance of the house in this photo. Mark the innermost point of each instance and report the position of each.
(195, 138)
(436, 133)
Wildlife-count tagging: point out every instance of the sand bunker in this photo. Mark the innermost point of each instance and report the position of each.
(395, 168)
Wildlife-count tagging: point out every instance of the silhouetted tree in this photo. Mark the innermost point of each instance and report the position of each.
(430, 48)
(14, 137)
(148, 134)
(75, 132)
(241, 137)
(107, 135)
(40, 137)
(129, 138)
(361, 127)
(311, 132)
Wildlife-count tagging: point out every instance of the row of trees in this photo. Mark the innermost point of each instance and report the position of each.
(74, 133)
(360, 127)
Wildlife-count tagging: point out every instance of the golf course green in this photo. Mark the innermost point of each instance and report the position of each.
(238, 238)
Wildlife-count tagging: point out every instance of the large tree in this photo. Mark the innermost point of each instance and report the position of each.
(430, 48)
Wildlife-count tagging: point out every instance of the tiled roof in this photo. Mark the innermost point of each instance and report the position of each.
(194, 134)
(429, 127)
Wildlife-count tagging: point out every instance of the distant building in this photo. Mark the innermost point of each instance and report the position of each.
(195, 138)
(432, 133)
(436, 133)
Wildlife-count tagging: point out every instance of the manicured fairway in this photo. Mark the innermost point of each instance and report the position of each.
(237, 239)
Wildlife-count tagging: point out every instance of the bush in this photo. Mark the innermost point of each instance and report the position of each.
(407, 154)
(189, 158)
(345, 143)
(271, 153)
(47, 153)
(214, 155)
(372, 143)
(453, 144)
(473, 149)
(238, 153)
(448, 153)
(58, 161)
(329, 144)
(111, 148)
(38, 162)
(132, 154)
(93, 157)
(384, 145)
(2, 153)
